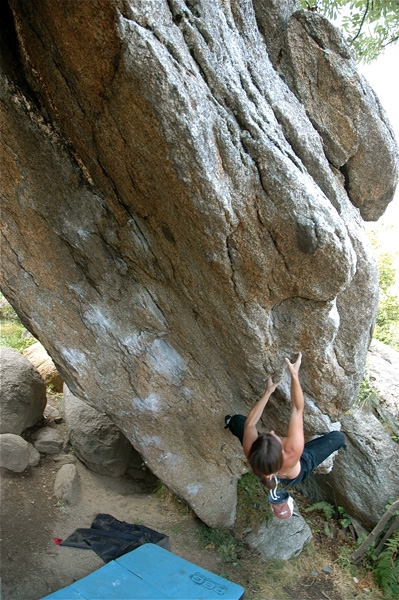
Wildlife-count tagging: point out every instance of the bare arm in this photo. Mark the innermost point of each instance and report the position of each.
(294, 442)
(250, 431)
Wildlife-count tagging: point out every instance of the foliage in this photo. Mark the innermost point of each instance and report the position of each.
(274, 579)
(7, 312)
(12, 336)
(164, 493)
(367, 398)
(252, 501)
(325, 507)
(11, 329)
(345, 519)
(387, 271)
(368, 25)
(380, 552)
(344, 560)
(329, 512)
(381, 563)
(221, 541)
(386, 567)
(387, 323)
(386, 327)
(62, 505)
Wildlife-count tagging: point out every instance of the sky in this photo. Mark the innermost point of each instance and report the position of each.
(382, 76)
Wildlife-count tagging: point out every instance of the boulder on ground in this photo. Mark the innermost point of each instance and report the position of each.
(48, 441)
(96, 441)
(23, 392)
(34, 455)
(16, 453)
(65, 485)
(39, 358)
(281, 539)
(52, 414)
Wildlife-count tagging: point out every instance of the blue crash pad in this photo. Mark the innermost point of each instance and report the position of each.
(150, 573)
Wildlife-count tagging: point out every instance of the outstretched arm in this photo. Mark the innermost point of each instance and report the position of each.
(250, 431)
(294, 442)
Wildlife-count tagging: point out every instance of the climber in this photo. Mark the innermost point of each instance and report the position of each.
(287, 460)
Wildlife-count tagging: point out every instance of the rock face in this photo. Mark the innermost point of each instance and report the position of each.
(383, 373)
(179, 216)
(367, 472)
(316, 65)
(371, 461)
(23, 392)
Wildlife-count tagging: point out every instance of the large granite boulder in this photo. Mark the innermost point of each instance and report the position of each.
(176, 221)
(23, 392)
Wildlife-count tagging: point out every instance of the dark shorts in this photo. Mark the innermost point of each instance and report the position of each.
(314, 453)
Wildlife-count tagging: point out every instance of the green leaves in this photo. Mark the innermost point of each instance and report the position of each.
(386, 328)
(368, 25)
(221, 541)
(386, 568)
(325, 507)
(367, 398)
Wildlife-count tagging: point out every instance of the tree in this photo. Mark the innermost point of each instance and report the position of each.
(387, 323)
(386, 327)
(369, 25)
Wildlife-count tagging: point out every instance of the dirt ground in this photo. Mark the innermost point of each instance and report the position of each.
(33, 565)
